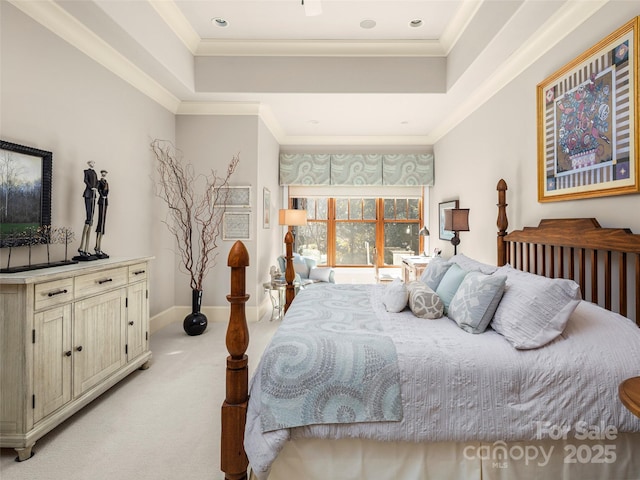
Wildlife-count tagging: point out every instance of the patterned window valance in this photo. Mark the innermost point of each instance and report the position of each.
(356, 169)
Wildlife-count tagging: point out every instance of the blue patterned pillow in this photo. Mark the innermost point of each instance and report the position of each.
(476, 300)
(449, 285)
(436, 268)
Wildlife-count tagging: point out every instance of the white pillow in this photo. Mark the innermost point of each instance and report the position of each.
(476, 300)
(395, 296)
(471, 265)
(320, 274)
(534, 310)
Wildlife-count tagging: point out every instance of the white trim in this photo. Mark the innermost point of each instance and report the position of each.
(321, 48)
(60, 22)
(177, 22)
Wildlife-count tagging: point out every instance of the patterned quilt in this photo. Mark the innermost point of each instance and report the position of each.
(333, 364)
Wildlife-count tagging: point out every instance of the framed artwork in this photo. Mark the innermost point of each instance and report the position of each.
(445, 234)
(266, 206)
(239, 197)
(25, 189)
(588, 118)
(236, 226)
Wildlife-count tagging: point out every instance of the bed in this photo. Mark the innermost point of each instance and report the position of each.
(423, 398)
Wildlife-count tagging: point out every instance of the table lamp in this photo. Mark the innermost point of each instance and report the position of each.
(424, 232)
(456, 220)
(290, 218)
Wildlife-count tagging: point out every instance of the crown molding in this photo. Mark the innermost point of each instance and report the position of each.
(377, 140)
(458, 24)
(64, 25)
(177, 22)
(568, 17)
(321, 48)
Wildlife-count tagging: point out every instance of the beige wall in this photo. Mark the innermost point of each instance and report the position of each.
(499, 141)
(55, 98)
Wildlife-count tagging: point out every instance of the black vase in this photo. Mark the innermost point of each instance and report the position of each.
(195, 323)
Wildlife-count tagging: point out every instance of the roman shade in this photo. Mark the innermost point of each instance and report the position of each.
(354, 169)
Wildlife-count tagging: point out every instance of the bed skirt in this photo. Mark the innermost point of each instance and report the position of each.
(318, 459)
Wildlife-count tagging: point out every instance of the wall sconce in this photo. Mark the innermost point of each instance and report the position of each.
(424, 232)
(290, 218)
(456, 220)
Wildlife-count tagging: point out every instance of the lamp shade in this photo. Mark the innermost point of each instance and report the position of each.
(292, 218)
(456, 219)
(424, 231)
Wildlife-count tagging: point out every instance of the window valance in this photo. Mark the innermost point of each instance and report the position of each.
(354, 169)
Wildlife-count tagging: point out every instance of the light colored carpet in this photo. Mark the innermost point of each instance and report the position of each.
(158, 424)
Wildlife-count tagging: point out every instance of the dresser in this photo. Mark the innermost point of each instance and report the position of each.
(68, 334)
(412, 267)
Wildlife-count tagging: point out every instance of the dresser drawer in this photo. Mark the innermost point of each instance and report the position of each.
(137, 272)
(98, 282)
(57, 292)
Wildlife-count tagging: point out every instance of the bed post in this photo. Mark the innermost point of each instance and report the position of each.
(233, 459)
(289, 273)
(502, 223)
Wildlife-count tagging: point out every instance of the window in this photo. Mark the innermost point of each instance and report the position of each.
(359, 231)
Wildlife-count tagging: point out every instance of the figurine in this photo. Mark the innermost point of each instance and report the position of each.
(89, 195)
(103, 203)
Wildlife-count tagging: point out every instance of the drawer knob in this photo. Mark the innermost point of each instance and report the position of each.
(79, 348)
(106, 280)
(67, 354)
(131, 323)
(51, 294)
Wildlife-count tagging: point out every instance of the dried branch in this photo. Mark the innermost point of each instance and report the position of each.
(193, 218)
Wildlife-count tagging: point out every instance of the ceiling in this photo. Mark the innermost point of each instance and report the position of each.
(319, 77)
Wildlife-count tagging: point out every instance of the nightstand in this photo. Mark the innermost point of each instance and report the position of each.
(277, 294)
(629, 392)
(412, 267)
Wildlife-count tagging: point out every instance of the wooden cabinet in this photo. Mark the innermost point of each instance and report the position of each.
(67, 335)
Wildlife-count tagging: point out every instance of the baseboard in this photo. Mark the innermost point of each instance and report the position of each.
(214, 314)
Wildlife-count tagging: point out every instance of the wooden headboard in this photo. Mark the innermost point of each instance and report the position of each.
(601, 260)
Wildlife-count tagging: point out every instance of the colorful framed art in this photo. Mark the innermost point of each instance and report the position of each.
(588, 118)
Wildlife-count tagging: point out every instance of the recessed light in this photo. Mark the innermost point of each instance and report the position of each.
(404, 122)
(415, 23)
(314, 122)
(367, 23)
(219, 22)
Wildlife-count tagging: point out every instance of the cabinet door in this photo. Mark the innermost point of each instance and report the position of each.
(137, 319)
(99, 338)
(51, 361)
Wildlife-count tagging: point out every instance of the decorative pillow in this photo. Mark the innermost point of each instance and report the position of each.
(301, 268)
(423, 301)
(395, 296)
(449, 285)
(471, 265)
(475, 302)
(534, 310)
(436, 268)
(320, 274)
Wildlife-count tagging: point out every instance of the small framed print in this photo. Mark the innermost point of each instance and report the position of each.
(236, 226)
(266, 205)
(239, 197)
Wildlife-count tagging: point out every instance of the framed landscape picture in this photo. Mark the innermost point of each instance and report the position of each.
(588, 117)
(25, 192)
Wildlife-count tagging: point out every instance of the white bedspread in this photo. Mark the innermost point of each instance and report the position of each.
(457, 386)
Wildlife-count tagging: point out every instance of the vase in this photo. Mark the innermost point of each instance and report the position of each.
(195, 323)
